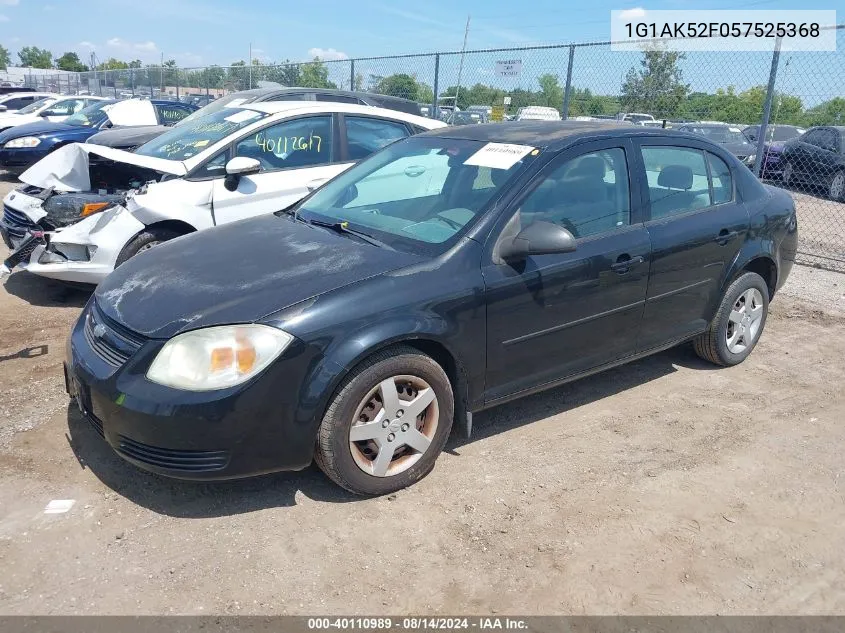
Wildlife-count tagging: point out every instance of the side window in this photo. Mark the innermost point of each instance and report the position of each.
(829, 140)
(366, 135)
(18, 103)
(171, 114)
(677, 179)
(292, 96)
(337, 98)
(214, 167)
(297, 143)
(586, 195)
(812, 137)
(722, 183)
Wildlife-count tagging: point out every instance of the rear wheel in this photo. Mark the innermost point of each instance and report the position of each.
(144, 241)
(836, 189)
(738, 324)
(387, 423)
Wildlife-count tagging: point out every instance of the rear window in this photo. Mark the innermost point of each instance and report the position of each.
(171, 114)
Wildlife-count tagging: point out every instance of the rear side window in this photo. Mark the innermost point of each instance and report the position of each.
(366, 135)
(722, 183)
(677, 180)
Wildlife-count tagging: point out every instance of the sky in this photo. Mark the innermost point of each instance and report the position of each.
(201, 32)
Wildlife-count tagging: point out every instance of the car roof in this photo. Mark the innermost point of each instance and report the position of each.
(287, 107)
(551, 134)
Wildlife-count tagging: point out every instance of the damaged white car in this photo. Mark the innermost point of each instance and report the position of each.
(232, 164)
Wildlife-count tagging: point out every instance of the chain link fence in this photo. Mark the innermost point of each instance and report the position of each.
(757, 104)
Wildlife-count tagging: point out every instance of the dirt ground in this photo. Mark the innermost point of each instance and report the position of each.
(665, 486)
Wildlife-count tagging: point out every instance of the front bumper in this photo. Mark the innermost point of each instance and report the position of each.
(251, 429)
(85, 252)
(19, 160)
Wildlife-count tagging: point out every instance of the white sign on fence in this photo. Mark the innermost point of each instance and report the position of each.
(509, 68)
(507, 101)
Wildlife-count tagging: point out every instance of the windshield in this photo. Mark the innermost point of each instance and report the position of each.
(189, 138)
(37, 105)
(92, 116)
(721, 134)
(419, 194)
(233, 99)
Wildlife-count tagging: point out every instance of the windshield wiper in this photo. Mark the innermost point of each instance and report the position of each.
(343, 227)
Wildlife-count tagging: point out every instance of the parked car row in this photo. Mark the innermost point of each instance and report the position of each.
(388, 276)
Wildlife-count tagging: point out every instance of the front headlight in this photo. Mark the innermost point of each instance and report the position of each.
(217, 357)
(24, 141)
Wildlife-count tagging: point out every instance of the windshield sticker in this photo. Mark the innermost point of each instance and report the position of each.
(499, 155)
(234, 103)
(242, 116)
(201, 143)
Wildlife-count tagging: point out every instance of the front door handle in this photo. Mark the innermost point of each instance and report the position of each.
(725, 236)
(625, 262)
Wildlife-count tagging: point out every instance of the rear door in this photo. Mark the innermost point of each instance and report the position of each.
(697, 224)
(294, 154)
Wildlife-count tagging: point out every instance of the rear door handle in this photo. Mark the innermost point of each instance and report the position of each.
(624, 265)
(725, 236)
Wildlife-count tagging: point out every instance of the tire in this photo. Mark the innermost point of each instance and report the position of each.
(143, 241)
(836, 187)
(352, 465)
(730, 323)
(788, 174)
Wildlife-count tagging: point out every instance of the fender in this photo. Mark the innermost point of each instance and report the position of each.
(761, 248)
(345, 353)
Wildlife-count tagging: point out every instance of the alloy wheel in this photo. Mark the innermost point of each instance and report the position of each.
(394, 425)
(744, 321)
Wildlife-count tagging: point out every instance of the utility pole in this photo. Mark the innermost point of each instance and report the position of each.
(460, 69)
(161, 77)
(250, 65)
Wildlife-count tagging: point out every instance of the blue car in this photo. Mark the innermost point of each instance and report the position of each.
(24, 145)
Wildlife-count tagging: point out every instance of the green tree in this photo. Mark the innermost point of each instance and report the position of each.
(398, 85)
(831, 112)
(359, 84)
(71, 62)
(425, 93)
(237, 76)
(551, 92)
(135, 63)
(315, 75)
(35, 57)
(112, 63)
(5, 59)
(657, 87)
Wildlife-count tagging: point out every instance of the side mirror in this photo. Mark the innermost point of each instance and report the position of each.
(46, 113)
(539, 238)
(315, 184)
(3, 108)
(237, 167)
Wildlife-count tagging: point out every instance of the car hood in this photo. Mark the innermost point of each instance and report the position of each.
(128, 136)
(740, 149)
(38, 128)
(66, 169)
(237, 273)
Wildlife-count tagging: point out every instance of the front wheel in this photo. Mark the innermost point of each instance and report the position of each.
(144, 241)
(738, 324)
(387, 423)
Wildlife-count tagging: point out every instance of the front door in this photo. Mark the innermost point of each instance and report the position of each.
(295, 154)
(697, 227)
(554, 316)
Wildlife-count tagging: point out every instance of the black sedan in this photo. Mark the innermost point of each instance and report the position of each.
(817, 158)
(448, 273)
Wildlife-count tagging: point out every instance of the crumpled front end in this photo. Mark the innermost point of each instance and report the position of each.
(87, 251)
